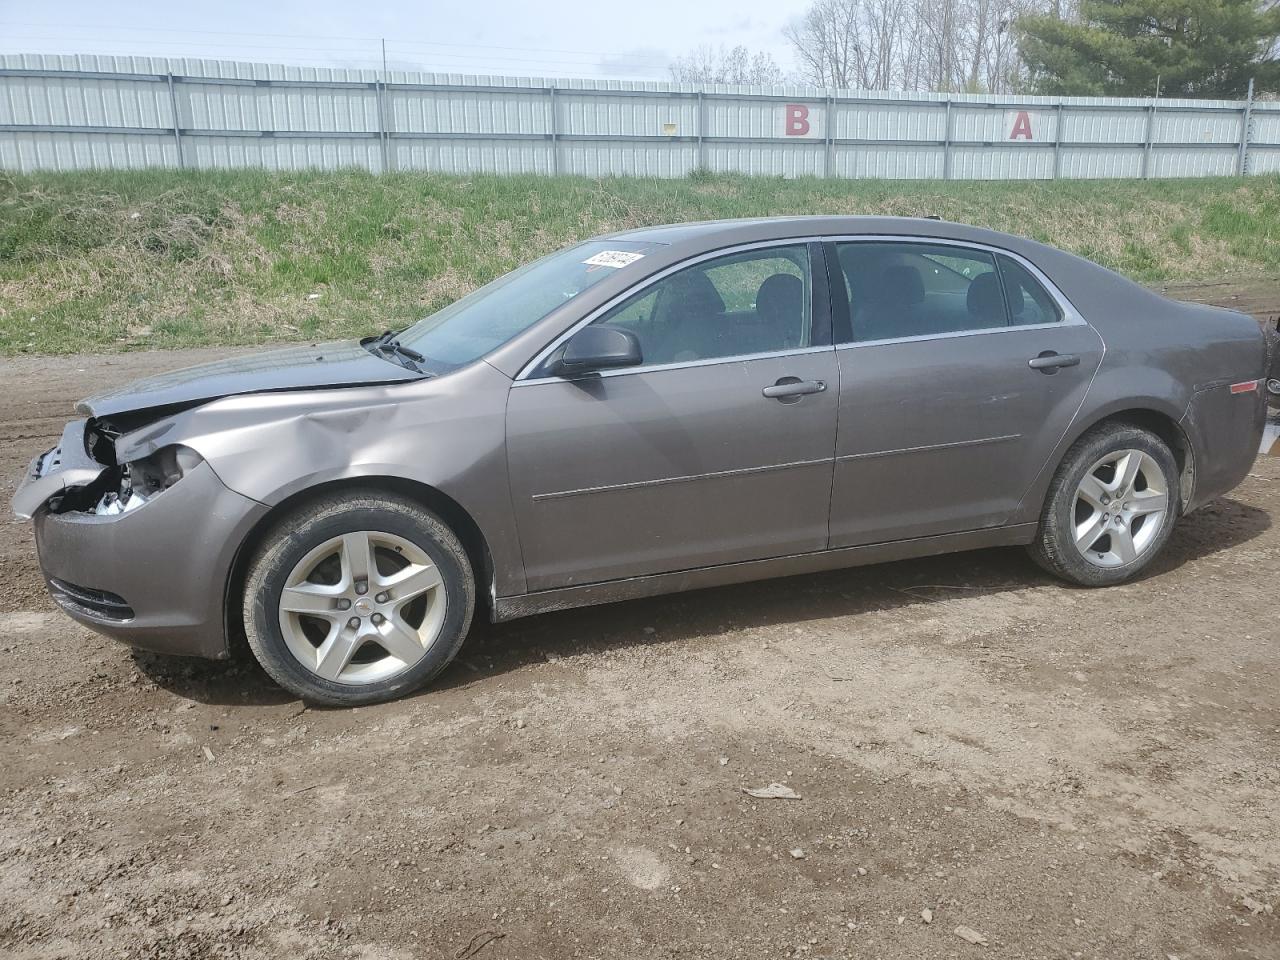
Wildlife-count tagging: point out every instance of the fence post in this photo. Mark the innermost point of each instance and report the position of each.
(1057, 143)
(177, 133)
(702, 129)
(555, 130)
(946, 144)
(1242, 162)
(829, 132)
(1146, 149)
(384, 128)
(380, 91)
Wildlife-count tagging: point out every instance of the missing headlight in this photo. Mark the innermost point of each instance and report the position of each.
(99, 441)
(140, 481)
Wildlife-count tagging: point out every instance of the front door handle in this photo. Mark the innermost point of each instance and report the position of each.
(790, 389)
(1050, 362)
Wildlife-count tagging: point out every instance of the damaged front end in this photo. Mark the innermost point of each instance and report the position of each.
(127, 486)
(81, 474)
(154, 578)
(68, 469)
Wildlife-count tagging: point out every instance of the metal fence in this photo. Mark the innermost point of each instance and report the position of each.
(74, 112)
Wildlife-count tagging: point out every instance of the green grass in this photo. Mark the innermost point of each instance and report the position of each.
(101, 261)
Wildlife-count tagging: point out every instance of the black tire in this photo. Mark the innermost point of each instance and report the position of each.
(304, 529)
(1054, 548)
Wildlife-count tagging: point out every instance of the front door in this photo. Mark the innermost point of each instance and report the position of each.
(960, 374)
(717, 449)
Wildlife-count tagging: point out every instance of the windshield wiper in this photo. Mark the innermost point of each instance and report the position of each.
(386, 344)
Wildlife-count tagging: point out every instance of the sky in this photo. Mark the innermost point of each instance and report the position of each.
(557, 38)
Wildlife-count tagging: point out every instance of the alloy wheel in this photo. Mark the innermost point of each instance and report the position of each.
(362, 607)
(1120, 507)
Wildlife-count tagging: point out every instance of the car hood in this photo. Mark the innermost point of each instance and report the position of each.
(340, 364)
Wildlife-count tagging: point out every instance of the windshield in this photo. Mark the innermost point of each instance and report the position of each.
(487, 318)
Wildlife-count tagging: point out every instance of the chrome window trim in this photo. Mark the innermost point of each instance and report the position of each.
(526, 372)
(1070, 315)
(950, 334)
(656, 367)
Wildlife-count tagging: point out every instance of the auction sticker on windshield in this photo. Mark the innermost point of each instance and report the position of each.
(613, 258)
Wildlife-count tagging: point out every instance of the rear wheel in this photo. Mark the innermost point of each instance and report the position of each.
(1111, 507)
(358, 599)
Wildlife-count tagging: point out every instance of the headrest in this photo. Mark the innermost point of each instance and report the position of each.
(695, 294)
(780, 297)
(985, 300)
(900, 286)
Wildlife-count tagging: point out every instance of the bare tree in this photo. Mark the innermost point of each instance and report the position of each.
(941, 45)
(826, 43)
(707, 64)
(937, 35)
(1004, 70)
(979, 15)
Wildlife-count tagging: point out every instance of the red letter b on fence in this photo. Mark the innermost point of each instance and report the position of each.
(797, 120)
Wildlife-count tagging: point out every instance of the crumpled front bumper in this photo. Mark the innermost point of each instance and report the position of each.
(66, 465)
(154, 577)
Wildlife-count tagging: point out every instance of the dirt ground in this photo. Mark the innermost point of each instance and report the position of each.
(1069, 773)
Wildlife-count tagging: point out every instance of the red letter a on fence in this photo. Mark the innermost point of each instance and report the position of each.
(1022, 127)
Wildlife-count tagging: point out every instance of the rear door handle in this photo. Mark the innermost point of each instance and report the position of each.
(793, 388)
(1049, 361)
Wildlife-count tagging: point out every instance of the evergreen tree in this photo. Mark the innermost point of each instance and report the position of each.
(1198, 48)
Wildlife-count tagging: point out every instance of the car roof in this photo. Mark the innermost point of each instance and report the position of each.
(710, 234)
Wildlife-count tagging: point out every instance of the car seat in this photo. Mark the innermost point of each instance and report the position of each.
(985, 302)
(779, 314)
(691, 322)
(893, 306)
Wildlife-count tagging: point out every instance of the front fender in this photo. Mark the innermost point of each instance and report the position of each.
(447, 433)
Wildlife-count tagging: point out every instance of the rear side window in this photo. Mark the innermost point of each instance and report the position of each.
(898, 290)
(1028, 301)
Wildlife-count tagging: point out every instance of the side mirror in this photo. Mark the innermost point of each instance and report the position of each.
(598, 347)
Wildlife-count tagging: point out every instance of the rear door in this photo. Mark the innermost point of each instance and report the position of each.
(717, 449)
(959, 373)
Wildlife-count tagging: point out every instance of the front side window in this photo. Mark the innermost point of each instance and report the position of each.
(920, 289)
(757, 301)
(487, 318)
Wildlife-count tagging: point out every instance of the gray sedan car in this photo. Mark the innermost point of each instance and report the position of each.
(654, 411)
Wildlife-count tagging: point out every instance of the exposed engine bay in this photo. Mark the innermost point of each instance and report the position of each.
(121, 487)
(139, 481)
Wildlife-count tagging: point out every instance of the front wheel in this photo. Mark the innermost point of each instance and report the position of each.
(1111, 507)
(357, 599)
